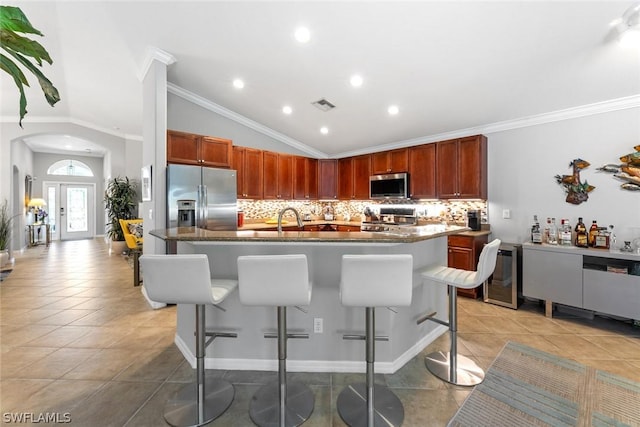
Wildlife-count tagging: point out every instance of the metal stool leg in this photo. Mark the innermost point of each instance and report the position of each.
(370, 404)
(136, 267)
(450, 366)
(294, 402)
(200, 403)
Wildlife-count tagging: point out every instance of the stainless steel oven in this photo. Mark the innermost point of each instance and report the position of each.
(504, 286)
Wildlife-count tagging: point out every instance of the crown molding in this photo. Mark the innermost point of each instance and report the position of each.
(154, 53)
(251, 124)
(523, 122)
(74, 121)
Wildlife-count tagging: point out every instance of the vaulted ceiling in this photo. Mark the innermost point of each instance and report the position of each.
(449, 66)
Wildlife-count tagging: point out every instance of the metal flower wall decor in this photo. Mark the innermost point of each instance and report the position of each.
(577, 191)
(628, 170)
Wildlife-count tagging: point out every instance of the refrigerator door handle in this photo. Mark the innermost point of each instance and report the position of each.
(204, 205)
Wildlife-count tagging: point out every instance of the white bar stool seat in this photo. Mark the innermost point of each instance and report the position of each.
(186, 279)
(279, 281)
(450, 366)
(373, 281)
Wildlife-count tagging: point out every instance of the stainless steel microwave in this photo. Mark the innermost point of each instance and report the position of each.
(389, 186)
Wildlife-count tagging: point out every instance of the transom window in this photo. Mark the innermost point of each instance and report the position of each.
(70, 168)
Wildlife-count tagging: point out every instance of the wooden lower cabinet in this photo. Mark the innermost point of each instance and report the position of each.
(348, 228)
(464, 252)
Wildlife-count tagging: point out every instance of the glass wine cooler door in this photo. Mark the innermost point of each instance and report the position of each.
(504, 286)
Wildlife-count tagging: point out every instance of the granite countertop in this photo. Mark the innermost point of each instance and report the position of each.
(406, 235)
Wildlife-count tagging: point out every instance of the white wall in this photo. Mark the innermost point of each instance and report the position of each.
(523, 163)
(185, 116)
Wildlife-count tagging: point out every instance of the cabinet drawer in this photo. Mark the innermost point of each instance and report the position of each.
(460, 241)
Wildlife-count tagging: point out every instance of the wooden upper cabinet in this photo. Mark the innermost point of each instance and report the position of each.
(422, 171)
(191, 149)
(461, 166)
(305, 178)
(248, 163)
(353, 177)
(392, 161)
(327, 179)
(278, 175)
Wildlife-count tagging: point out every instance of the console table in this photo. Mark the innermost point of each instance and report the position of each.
(36, 231)
(593, 279)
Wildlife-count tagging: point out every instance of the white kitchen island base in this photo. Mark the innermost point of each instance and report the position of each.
(324, 351)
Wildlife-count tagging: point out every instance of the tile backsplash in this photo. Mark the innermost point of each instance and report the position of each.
(437, 210)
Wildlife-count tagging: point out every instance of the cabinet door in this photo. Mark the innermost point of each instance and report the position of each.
(270, 171)
(285, 176)
(345, 178)
(327, 176)
(472, 165)
(305, 178)
(447, 169)
(182, 148)
(380, 162)
(238, 164)
(462, 258)
(361, 174)
(215, 152)
(253, 173)
(422, 171)
(353, 228)
(399, 160)
(552, 276)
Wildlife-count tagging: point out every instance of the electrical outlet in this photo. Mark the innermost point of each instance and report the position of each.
(317, 325)
(506, 213)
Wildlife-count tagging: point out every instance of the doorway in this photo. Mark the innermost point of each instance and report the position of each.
(71, 210)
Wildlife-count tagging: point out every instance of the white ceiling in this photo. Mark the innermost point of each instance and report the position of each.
(448, 65)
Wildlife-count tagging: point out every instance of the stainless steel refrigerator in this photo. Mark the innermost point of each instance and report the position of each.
(201, 196)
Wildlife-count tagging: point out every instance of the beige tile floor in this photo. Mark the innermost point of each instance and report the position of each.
(77, 338)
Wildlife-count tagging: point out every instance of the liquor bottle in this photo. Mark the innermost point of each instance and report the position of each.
(582, 237)
(536, 235)
(545, 232)
(565, 233)
(553, 232)
(593, 232)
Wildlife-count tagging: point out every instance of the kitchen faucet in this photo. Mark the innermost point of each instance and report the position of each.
(300, 224)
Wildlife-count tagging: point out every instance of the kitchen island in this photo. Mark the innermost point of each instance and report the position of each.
(325, 319)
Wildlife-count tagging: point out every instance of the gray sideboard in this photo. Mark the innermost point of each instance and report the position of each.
(582, 278)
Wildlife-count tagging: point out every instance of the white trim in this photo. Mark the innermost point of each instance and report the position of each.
(538, 119)
(332, 366)
(238, 118)
(153, 304)
(154, 53)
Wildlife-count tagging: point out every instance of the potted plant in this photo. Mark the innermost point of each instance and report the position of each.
(6, 221)
(120, 202)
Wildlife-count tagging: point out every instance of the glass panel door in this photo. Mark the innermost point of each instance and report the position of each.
(76, 211)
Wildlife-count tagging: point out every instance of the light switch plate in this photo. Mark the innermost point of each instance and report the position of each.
(506, 213)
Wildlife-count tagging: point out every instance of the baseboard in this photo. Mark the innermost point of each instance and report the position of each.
(332, 366)
(152, 304)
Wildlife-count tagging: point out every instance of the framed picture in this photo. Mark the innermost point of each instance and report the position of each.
(146, 183)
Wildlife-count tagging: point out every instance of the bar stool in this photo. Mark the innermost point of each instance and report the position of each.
(373, 281)
(280, 281)
(186, 279)
(450, 366)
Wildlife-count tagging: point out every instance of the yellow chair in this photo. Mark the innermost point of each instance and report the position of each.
(134, 243)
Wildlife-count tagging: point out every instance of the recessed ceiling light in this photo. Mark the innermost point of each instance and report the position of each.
(356, 80)
(238, 84)
(324, 130)
(302, 34)
(287, 110)
(393, 110)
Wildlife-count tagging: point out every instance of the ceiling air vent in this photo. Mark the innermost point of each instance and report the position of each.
(323, 105)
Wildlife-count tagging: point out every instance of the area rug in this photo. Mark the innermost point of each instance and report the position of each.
(528, 387)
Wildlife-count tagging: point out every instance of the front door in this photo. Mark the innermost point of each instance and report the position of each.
(76, 211)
